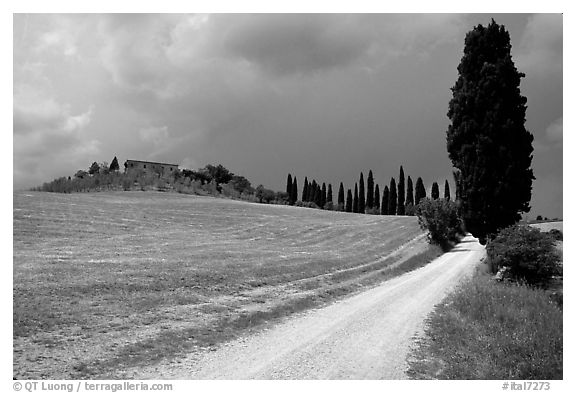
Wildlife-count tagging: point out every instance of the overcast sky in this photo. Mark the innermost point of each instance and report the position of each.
(323, 96)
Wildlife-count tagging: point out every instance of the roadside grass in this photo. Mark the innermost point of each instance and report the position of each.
(106, 282)
(491, 330)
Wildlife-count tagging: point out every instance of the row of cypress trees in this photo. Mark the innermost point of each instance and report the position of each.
(397, 199)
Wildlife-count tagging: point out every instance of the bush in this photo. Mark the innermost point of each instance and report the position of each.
(200, 175)
(440, 218)
(264, 195)
(410, 210)
(241, 184)
(213, 188)
(282, 198)
(228, 191)
(218, 173)
(556, 234)
(372, 210)
(311, 205)
(328, 206)
(524, 254)
(127, 183)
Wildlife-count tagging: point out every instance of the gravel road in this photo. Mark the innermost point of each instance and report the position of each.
(366, 336)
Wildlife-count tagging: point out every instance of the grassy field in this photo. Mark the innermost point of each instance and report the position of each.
(108, 282)
(491, 330)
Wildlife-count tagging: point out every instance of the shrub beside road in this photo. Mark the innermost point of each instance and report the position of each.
(500, 327)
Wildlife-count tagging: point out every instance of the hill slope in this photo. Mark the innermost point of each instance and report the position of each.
(106, 282)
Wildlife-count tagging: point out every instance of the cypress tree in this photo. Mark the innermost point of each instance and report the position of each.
(487, 140)
(377, 198)
(312, 194)
(370, 191)
(323, 195)
(393, 199)
(355, 202)
(341, 195)
(409, 192)
(385, 200)
(457, 192)
(409, 198)
(401, 196)
(446, 190)
(435, 191)
(318, 196)
(305, 189)
(289, 188)
(294, 197)
(114, 167)
(361, 196)
(419, 192)
(329, 195)
(349, 201)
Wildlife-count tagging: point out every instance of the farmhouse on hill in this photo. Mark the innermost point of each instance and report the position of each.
(159, 168)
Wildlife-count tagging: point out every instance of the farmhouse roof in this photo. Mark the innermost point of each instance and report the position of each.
(152, 162)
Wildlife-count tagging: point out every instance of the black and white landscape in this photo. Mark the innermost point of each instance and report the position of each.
(288, 196)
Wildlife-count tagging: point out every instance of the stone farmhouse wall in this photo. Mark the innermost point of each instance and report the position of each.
(159, 168)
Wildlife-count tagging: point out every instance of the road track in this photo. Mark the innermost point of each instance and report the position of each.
(366, 336)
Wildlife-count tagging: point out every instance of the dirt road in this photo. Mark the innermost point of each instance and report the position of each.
(366, 336)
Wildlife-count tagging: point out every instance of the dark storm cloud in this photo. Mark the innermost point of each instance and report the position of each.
(292, 44)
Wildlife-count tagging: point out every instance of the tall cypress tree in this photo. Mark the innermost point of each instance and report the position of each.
(401, 196)
(349, 201)
(392, 202)
(289, 188)
(370, 191)
(361, 196)
(446, 190)
(294, 197)
(355, 202)
(329, 195)
(312, 194)
(409, 192)
(435, 191)
(385, 200)
(487, 140)
(305, 189)
(114, 167)
(377, 198)
(419, 192)
(341, 195)
(318, 196)
(323, 195)
(457, 192)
